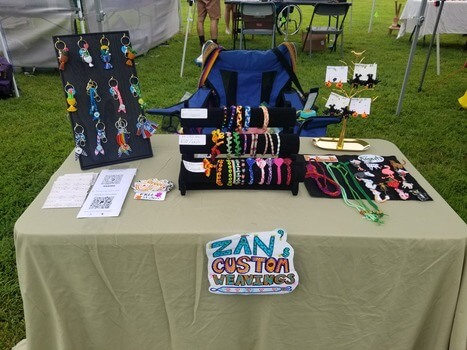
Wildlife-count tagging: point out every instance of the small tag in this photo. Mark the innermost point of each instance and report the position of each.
(194, 167)
(321, 158)
(370, 158)
(150, 196)
(192, 140)
(194, 113)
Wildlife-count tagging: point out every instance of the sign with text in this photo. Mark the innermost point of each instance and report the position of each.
(253, 263)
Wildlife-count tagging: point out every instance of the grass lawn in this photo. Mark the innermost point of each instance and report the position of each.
(36, 136)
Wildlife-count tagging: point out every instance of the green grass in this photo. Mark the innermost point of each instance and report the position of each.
(36, 136)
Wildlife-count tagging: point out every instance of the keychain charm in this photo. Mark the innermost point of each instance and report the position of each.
(80, 141)
(105, 52)
(70, 97)
(123, 136)
(91, 89)
(63, 53)
(127, 50)
(145, 128)
(101, 138)
(115, 92)
(135, 90)
(84, 51)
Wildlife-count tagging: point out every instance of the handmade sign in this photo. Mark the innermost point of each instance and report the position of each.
(253, 263)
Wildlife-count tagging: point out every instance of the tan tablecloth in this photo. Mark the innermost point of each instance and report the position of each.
(139, 281)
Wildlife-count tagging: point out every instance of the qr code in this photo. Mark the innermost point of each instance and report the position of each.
(101, 202)
(112, 179)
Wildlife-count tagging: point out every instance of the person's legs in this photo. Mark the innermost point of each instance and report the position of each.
(214, 10)
(202, 13)
(214, 29)
(228, 15)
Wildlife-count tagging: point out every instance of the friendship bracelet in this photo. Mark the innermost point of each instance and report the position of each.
(265, 117)
(287, 162)
(247, 118)
(245, 143)
(312, 171)
(261, 163)
(278, 162)
(242, 172)
(278, 144)
(269, 162)
(219, 164)
(270, 142)
(254, 144)
(250, 162)
(233, 110)
(239, 118)
(266, 143)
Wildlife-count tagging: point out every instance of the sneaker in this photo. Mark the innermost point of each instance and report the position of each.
(199, 60)
(228, 31)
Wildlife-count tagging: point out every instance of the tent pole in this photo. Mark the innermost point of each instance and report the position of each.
(421, 18)
(188, 20)
(373, 5)
(7, 56)
(100, 14)
(431, 45)
(81, 16)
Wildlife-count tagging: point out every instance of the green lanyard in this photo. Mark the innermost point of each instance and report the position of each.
(372, 213)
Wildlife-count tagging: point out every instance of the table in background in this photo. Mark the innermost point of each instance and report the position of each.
(139, 281)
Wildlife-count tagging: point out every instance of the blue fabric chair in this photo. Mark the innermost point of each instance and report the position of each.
(247, 78)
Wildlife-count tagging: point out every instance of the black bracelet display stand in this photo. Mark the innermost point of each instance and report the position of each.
(113, 68)
(241, 159)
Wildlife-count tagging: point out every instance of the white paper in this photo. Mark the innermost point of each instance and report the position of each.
(194, 167)
(192, 140)
(336, 74)
(364, 70)
(337, 100)
(360, 105)
(108, 193)
(69, 190)
(194, 113)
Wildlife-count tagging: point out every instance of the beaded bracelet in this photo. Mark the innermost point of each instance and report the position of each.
(233, 110)
(254, 144)
(239, 118)
(229, 144)
(237, 173)
(266, 117)
(278, 162)
(250, 162)
(247, 118)
(269, 136)
(229, 172)
(237, 147)
(245, 143)
(219, 164)
(242, 171)
(261, 163)
(287, 162)
(224, 121)
(269, 162)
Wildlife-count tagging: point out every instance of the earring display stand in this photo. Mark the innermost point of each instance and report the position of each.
(239, 156)
(98, 75)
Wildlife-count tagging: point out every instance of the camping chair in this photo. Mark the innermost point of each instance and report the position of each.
(247, 78)
(258, 19)
(328, 10)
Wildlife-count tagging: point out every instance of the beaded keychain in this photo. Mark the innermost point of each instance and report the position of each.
(145, 127)
(123, 136)
(70, 97)
(135, 90)
(100, 138)
(84, 51)
(80, 141)
(105, 52)
(127, 50)
(115, 92)
(63, 53)
(91, 89)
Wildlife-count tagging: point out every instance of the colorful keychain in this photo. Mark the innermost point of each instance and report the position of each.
(105, 52)
(122, 137)
(91, 89)
(70, 97)
(115, 92)
(63, 53)
(84, 51)
(80, 141)
(101, 138)
(127, 50)
(135, 90)
(145, 127)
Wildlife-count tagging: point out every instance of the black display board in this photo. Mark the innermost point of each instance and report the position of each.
(112, 65)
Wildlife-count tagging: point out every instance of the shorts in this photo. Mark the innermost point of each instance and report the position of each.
(210, 7)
